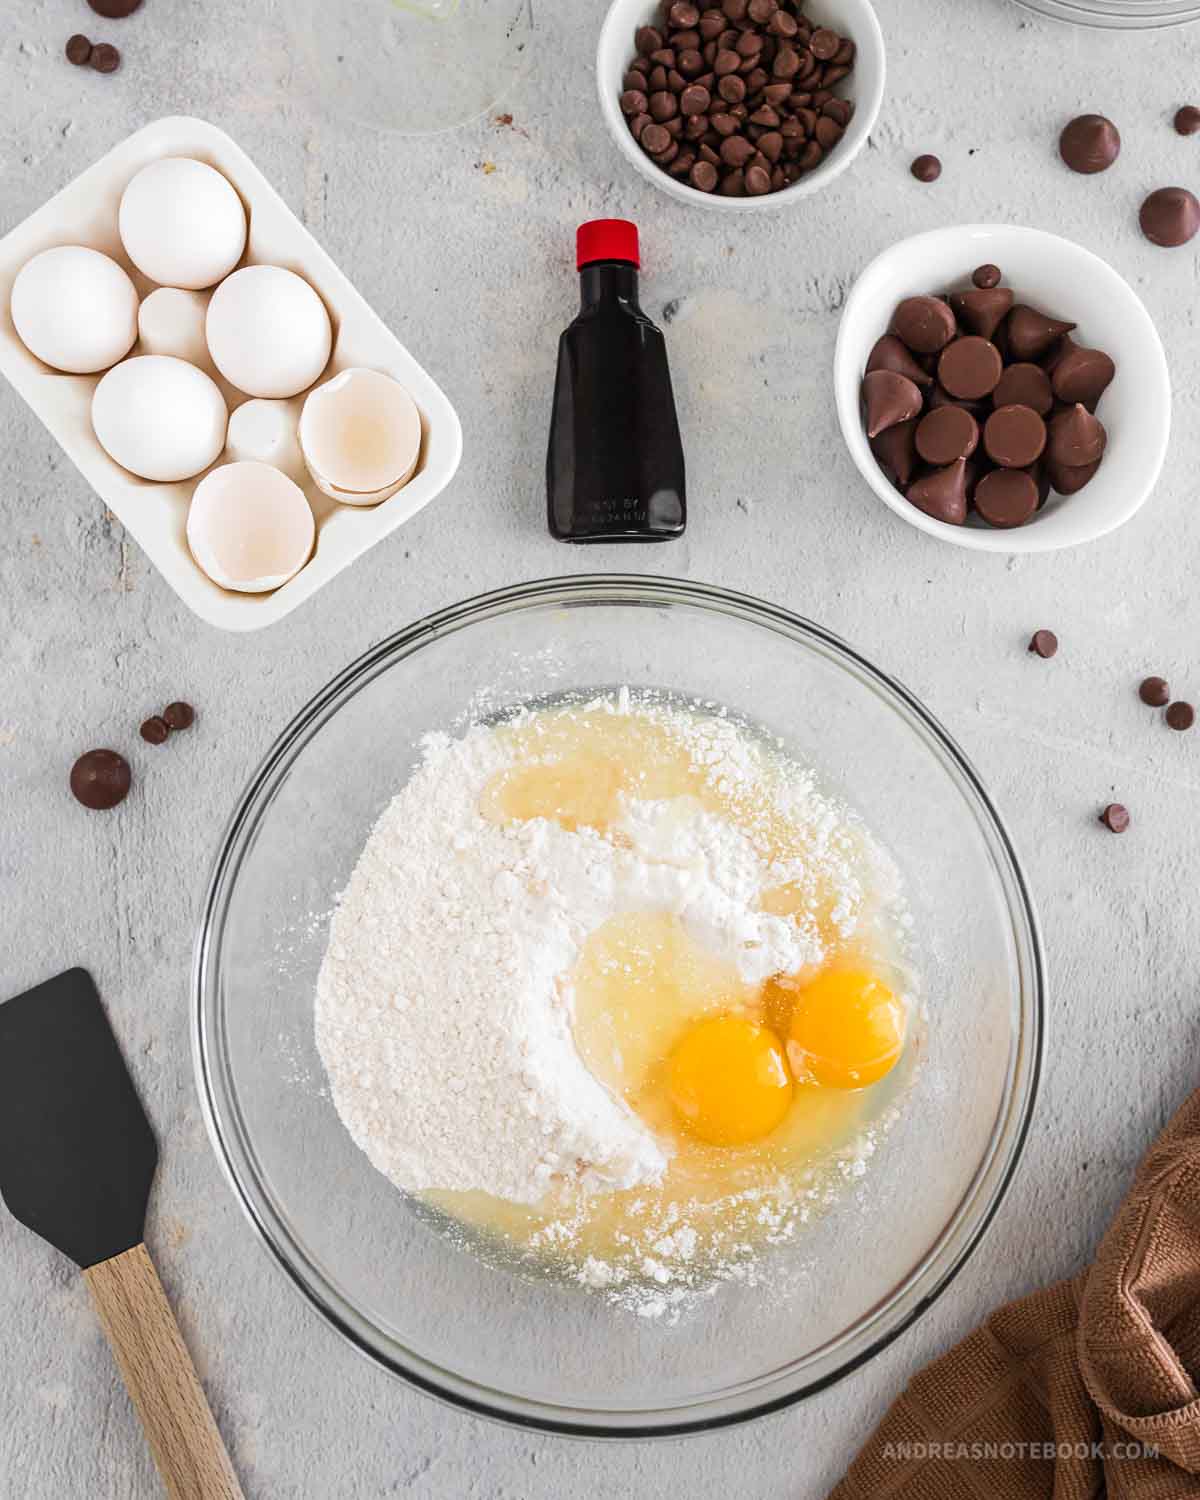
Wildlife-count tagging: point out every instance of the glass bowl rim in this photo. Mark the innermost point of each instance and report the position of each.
(1108, 15)
(955, 1242)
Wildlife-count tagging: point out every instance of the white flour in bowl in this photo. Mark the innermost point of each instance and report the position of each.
(441, 1018)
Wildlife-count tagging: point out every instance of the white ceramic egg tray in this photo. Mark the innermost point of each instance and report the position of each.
(85, 213)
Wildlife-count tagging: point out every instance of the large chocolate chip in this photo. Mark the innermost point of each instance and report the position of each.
(1014, 437)
(1170, 216)
(1068, 480)
(981, 311)
(926, 324)
(970, 368)
(895, 451)
(1006, 498)
(1024, 385)
(942, 493)
(1083, 375)
(889, 398)
(1090, 143)
(947, 434)
(101, 779)
(1031, 333)
(1076, 438)
(890, 354)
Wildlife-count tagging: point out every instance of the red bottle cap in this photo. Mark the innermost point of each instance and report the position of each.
(606, 239)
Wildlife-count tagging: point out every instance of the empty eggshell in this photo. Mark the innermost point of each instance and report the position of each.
(360, 435)
(265, 432)
(160, 418)
(268, 332)
(171, 321)
(75, 308)
(250, 527)
(182, 224)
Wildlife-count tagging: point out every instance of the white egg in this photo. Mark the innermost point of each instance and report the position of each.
(75, 308)
(171, 321)
(265, 432)
(182, 224)
(268, 332)
(250, 527)
(361, 436)
(160, 418)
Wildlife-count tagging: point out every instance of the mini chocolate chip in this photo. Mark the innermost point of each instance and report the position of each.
(1115, 817)
(986, 277)
(79, 50)
(101, 779)
(1044, 643)
(1155, 692)
(1181, 715)
(105, 58)
(179, 715)
(1187, 120)
(926, 168)
(155, 730)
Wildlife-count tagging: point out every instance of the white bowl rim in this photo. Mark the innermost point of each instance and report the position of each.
(1021, 539)
(866, 113)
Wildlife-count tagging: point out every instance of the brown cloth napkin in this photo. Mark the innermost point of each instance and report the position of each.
(1086, 1389)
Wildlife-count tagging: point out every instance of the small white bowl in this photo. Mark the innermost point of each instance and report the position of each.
(853, 18)
(1058, 277)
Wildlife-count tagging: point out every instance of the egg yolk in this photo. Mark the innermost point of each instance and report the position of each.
(847, 1030)
(728, 1081)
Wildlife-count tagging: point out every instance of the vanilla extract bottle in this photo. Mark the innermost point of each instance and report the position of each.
(615, 468)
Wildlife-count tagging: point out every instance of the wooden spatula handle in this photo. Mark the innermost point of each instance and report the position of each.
(161, 1379)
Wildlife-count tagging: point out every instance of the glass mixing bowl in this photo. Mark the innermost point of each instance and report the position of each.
(1118, 15)
(536, 1351)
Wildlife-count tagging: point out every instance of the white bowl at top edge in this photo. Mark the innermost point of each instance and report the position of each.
(1061, 278)
(853, 18)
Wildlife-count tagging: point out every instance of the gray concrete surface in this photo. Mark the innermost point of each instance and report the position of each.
(472, 267)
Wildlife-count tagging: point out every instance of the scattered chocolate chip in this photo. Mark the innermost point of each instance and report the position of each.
(179, 715)
(1187, 120)
(1181, 715)
(889, 398)
(1044, 643)
(78, 50)
(1155, 692)
(1089, 143)
(114, 10)
(155, 730)
(1170, 216)
(1006, 498)
(970, 368)
(986, 277)
(105, 58)
(926, 168)
(1014, 437)
(1115, 817)
(101, 779)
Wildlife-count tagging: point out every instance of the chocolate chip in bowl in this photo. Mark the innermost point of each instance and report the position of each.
(1053, 371)
(740, 104)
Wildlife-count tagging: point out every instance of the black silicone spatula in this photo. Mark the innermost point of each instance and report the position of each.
(77, 1157)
